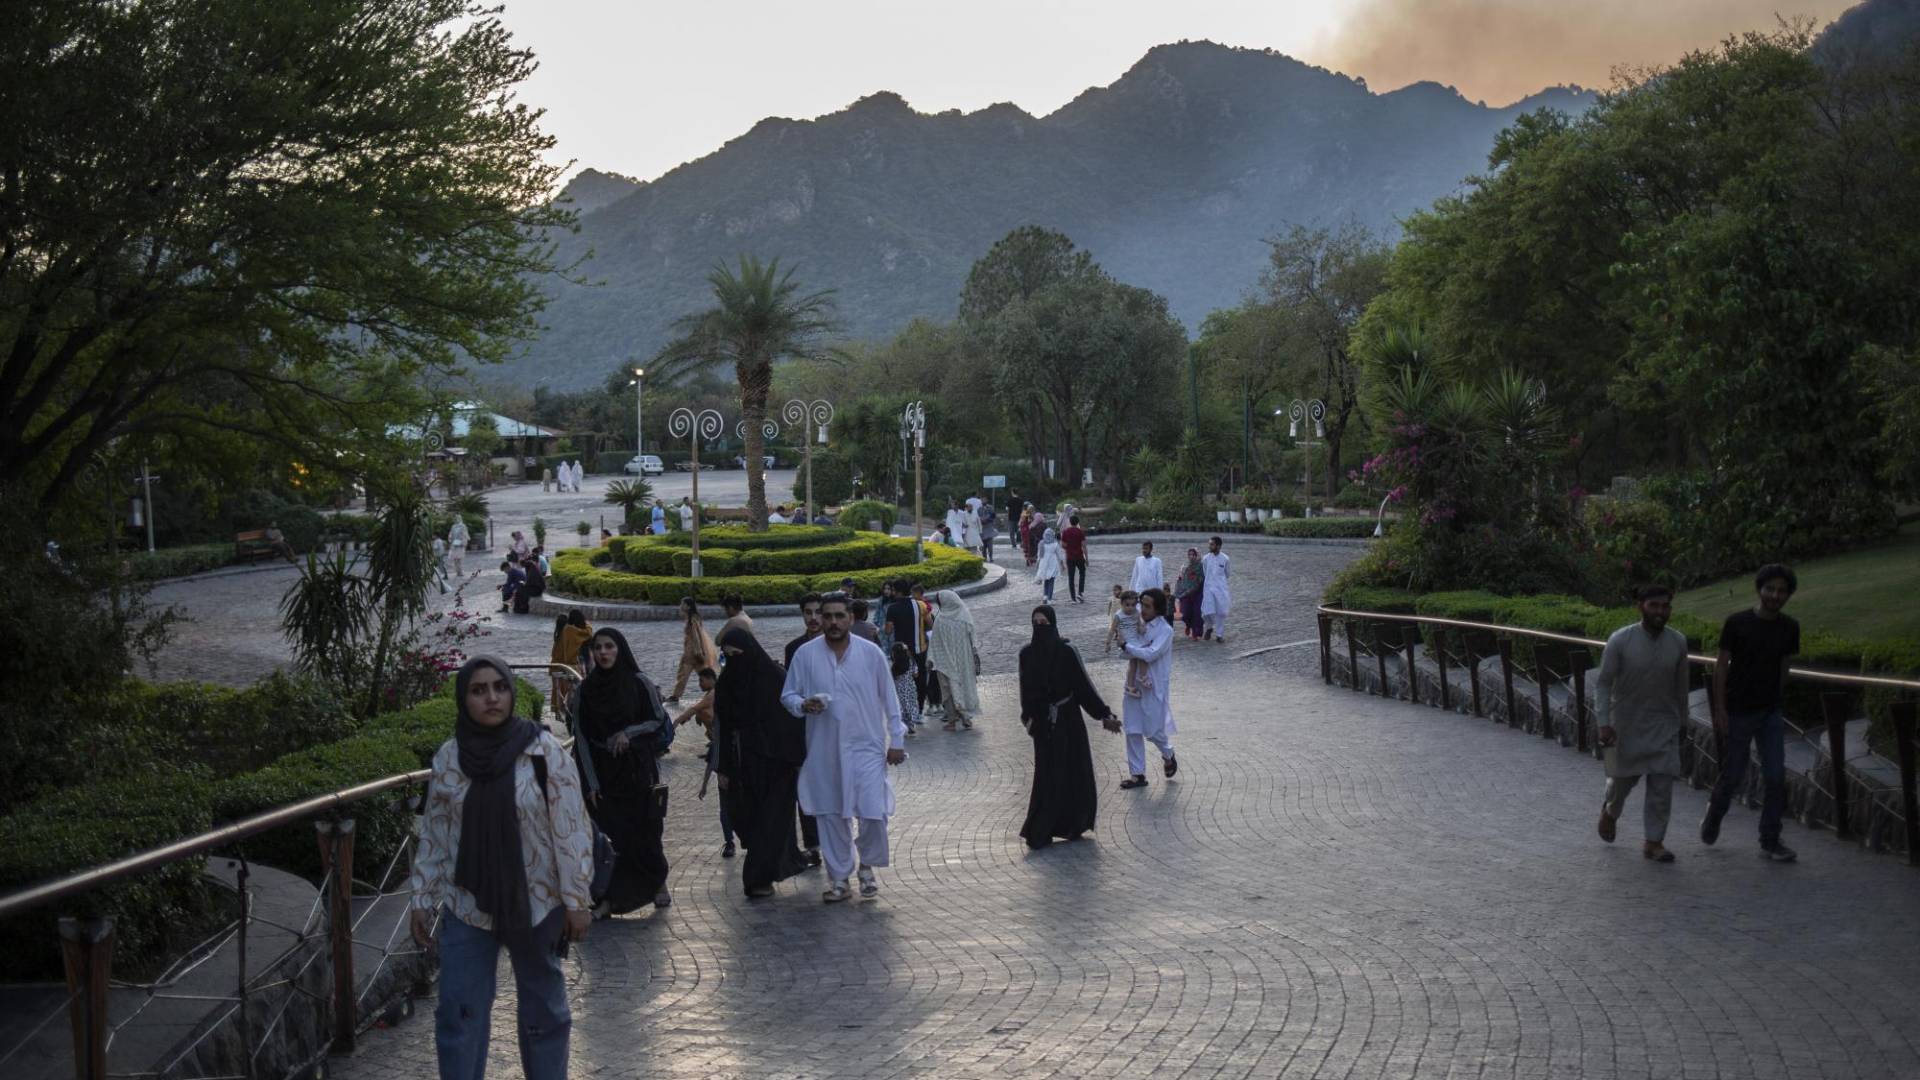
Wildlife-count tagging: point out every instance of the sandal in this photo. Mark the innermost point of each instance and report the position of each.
(1135, 781)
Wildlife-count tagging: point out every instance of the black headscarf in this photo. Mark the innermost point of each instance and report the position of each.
(610, 697)
(490, 864)
(1044, 673)
(747, 702)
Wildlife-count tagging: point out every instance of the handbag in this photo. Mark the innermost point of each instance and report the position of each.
(603, 852)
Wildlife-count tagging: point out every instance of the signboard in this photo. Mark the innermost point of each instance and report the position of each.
(993, 481)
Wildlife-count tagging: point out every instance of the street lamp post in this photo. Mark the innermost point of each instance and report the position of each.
(813, 416)
(639, 384)
(1312, 409)
(914, 422)
(695, 427)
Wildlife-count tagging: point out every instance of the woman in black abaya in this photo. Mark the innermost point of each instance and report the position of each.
(760, 747)
(620, 717)
(1054, 691)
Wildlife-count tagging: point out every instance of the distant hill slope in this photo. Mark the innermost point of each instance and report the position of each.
(1171, 177)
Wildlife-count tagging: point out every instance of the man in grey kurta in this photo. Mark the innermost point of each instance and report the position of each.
(1641, 696)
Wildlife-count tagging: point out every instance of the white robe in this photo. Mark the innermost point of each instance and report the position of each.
(845, 774)
(1150, 714)
(1214, 599)
(971, 538)
(1050, 562)
(1147, 574)
(579, 473)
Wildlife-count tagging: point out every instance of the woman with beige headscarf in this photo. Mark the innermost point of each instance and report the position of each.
(696, 648)
(954, 654)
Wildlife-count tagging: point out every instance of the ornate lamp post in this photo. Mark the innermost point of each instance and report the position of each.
(914, 423)
(1312, 409)
(813, 416)
(695, 427)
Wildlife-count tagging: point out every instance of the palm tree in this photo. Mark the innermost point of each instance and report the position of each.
(629, 496)
(760, 315)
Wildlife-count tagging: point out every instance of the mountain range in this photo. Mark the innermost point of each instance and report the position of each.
(1171, 177)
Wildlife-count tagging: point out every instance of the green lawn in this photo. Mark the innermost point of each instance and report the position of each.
(1870, 593)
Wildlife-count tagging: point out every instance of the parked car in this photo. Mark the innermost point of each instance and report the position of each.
(646, 465)
(687, 466)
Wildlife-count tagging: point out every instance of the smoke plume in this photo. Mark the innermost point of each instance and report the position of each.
(1502, 50)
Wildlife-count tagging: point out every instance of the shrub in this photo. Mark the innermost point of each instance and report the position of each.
(1175, 505)
(778, 537)
(1900, 658)
(1330, 528)
(1632, 542)
(1800, 701)
(1356, 497)
(178, 561)
(859, 513)
(91, 824)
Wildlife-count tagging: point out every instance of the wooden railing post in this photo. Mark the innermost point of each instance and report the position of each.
(1440, 657)
(1546, 703)
(336, 856)
(1473, 679)
(1353, 658)
(86, 946)
(1834, 708)
(1413, 673)
(1506, 679)
(1578, 660)
(1380, 657)
(1326, 649)
(1903, 724)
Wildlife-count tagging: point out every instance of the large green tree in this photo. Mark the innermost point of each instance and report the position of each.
(760, 315)
(255, 218)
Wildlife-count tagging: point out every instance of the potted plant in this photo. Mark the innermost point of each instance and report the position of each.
(540, 531)
(585, 530)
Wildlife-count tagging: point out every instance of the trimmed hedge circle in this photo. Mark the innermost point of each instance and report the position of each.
(803, 559)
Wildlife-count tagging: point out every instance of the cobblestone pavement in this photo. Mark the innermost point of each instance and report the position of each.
(1334, 886)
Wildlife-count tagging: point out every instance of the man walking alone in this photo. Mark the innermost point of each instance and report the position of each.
(1073, 541)
(843, 687)
(1641, 698)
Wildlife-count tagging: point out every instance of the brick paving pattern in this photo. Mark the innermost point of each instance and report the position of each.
(1334, 886)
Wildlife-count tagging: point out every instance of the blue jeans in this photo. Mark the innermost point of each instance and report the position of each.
(1047, 587)
(463, 1022)
(1768, 728)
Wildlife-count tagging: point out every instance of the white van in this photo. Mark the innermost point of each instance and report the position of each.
(646, 465)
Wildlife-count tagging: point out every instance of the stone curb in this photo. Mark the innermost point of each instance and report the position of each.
(556, 604)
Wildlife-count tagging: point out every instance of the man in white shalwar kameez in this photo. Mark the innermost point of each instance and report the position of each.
(843, 687)
(1147, 571)
(970, 516)
(1214, 598)
(1148, 717)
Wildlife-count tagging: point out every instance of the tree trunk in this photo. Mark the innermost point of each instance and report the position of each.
(753, 413)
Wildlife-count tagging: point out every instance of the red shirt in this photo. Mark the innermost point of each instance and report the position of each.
(1074, 540)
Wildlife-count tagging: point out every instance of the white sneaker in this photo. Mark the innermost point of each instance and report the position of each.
(869, 888)
(837, 893)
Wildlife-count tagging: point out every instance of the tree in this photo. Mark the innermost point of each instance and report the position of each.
(1319, 283)
(630, 496)
(262, 219)
(760, 315)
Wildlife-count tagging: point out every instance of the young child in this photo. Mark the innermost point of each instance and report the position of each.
(903, 686)
(1126, 623)
(702, 713)
(1114, 604)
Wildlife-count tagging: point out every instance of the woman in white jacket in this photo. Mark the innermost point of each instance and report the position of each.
(1050, 562)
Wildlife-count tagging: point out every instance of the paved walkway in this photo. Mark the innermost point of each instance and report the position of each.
(1334, 886)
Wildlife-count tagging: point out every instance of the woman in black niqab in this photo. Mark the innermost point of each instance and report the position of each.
(1054, 693)
(760, 749)
(619, 714)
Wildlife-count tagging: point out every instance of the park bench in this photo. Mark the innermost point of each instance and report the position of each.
(252, 545)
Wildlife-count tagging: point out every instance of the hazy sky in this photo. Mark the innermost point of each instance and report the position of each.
(639, 86)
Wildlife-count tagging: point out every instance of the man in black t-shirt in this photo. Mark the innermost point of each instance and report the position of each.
(1748, 681)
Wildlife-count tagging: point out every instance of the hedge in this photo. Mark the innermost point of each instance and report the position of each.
(97, 823)
(1898, 657)
(1324, 528)
(776, 538)
(178, 561)
(576, 575)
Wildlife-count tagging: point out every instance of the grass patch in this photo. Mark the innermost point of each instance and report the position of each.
(1867, 594)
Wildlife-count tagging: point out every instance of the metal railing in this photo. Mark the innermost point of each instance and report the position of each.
(87, 943)
(1575, 655)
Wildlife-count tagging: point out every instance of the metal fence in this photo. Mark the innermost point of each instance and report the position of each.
(87, 943)
(1563, 659)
